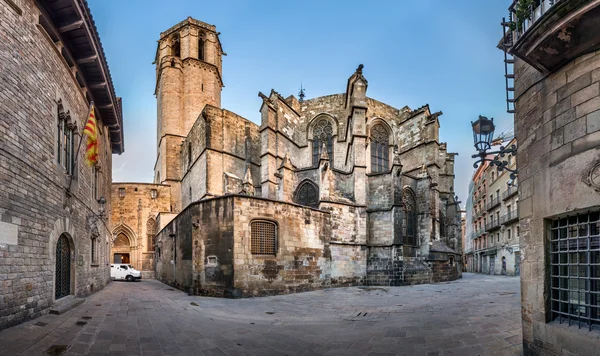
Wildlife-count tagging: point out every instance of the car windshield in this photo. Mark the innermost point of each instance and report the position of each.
(130, 266)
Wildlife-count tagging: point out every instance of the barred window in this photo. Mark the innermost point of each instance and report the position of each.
(94, 250)
(379, 149)
(409, 219)
(263, 237)
(322, 134)
(575, 269)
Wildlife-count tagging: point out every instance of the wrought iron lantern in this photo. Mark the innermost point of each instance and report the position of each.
(483, 135)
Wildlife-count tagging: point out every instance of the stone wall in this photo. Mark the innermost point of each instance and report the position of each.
(225, 142)
(557, 125)
(222, 264)
(35, 209)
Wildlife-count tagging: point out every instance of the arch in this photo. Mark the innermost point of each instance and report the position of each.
(307, 193)
(381, 121)
(409, 217)
(62, 227)
(123, 245)
(322, 115)
(124, 229)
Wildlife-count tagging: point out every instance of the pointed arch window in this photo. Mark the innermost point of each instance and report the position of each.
(322, 134)
(380, 142)
(150, 234)
(65, 140)
(409, 218)
(308, 194)
(175, 46)
(201, 49)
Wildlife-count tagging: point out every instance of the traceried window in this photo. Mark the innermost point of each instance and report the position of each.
(308, 194)
(150, 233)
(322, 134)
(409, 218)
(65, 141)
(263, 237)
(575, 269)
(380, 140)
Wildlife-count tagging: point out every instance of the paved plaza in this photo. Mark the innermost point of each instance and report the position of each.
(476, 315)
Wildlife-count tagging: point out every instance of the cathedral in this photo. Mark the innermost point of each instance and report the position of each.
(330, 191)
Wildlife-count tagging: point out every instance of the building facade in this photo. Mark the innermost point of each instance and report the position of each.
(494, 220)
(54, 236)
(335, 190)
(557, 125)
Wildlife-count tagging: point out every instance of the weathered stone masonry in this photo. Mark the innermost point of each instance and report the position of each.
(42, 197)
(353, 190)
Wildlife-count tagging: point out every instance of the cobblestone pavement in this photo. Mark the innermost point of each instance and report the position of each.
(477, 315)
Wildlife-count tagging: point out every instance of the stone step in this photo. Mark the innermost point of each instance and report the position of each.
(65, 304)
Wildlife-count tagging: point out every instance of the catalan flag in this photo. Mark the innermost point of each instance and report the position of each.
(91, 131)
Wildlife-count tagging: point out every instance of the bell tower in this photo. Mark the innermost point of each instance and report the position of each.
(188, 77)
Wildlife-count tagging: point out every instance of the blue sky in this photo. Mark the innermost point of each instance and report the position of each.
(441, 53)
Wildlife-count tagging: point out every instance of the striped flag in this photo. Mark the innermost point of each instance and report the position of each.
(91, 131)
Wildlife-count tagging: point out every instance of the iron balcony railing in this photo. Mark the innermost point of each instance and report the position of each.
(492, 225)
(509, 192)
(510, 217)
(525, 13)
(494, 202)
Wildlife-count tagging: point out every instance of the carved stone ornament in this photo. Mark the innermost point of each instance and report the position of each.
(593, 177)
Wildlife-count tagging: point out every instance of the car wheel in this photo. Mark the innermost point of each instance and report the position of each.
(129, 278)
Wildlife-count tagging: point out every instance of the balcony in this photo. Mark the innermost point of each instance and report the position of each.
(511, 191)
(492, 225)
(551, 33)
(494, 202)
(510, 217)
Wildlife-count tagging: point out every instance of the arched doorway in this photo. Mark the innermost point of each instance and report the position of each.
(121, 249)
(63, 268)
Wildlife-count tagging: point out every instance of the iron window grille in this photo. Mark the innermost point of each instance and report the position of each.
(94, 248)
(263, 237)
(575, 269)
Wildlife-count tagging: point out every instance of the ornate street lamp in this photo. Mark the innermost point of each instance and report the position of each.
(483, 134)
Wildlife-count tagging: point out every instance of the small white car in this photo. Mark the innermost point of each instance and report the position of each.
(123, 271)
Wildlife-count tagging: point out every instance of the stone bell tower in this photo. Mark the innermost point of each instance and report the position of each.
(188, 77)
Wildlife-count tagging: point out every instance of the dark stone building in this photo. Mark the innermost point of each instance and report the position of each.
(54, 241)
(557, 124)
(330, 191)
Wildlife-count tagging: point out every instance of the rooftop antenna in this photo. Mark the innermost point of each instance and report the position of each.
(301, 94)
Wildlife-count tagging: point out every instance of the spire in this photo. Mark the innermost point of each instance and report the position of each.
(324, 153)
(247, 186)
(301, 94)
